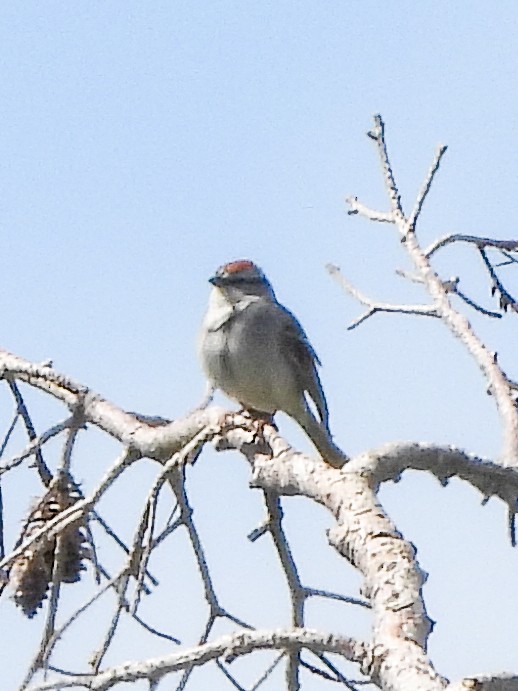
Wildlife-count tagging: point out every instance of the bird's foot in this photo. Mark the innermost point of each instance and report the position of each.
(259, 418)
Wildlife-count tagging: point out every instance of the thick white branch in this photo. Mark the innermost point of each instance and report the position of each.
(148, 440)
(485, 359)
(363, 533)
(366, 536)
(389, 461)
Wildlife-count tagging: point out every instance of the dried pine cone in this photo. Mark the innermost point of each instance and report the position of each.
(32, 571)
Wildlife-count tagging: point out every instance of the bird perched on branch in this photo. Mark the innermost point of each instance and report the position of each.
(254, 350)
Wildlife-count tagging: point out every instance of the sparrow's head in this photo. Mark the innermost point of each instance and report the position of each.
(240, 279)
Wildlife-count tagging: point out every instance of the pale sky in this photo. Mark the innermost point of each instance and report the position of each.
(144, 144)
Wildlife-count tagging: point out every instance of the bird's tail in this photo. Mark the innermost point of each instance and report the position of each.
(322, 439)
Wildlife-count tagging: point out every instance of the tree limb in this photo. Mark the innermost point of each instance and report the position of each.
(480, 242)
(374, 307)
(229, 647)
(459, 326)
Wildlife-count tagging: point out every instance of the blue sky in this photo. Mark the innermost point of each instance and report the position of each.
(144, 144)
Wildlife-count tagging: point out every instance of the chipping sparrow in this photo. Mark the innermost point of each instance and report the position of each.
(256, 352)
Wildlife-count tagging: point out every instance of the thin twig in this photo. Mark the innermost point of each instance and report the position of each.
(35, 446)
(297, 592)
(476, 306)
(156, 632)
(317, 671)
(505, 299)
(267, 672)
(147, 523)
(98, 656)
(480, 242)
(118, 541)
(58, 634)
(9, 433)
(93, 550)
(166, 532)
(76, 423)
(2, 450)
(348, 683)
(52, 609)
(65, 672)
(229, 676)
(315, 592)
(140, 554)
(378, 135)
(50, 621)
(44, 472)
(425, 189)
(375, 307)
(198, 550)
(202, 640)
(177, 481)
(356, 207)
(413, 278)
(509, 259)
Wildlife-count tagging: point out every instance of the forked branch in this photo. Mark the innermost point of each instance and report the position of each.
(439, 290)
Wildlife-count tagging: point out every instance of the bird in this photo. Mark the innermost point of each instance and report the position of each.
(255, 351)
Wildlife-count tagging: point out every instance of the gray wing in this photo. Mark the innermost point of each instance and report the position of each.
(304, 359)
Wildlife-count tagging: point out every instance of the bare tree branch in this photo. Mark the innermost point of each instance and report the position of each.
(158, 443)
(377, 134)
(401, 625)
(356, 207)
(480, 242)
(44, 472)
(228, 647)
(297, 592)
(505, 299)
(503, 682)
(374, 307)
(35, 445)
(456, 322)
(474, 305)
(267, 673)
(425, 189)
(396, 655)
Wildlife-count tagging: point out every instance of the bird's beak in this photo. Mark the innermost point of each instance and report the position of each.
(215, 281)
